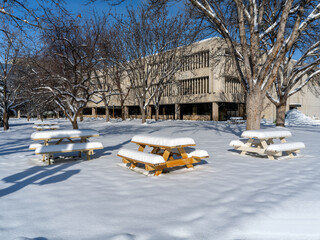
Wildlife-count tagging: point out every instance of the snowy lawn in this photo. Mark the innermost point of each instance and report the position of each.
(227, 196)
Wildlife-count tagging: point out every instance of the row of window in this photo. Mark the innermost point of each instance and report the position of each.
(233, 85)
(199, 86)
(196, 61)
(194, 86)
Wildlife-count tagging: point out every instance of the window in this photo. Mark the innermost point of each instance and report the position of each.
(233, 85)
(196, 61)
(194, 86)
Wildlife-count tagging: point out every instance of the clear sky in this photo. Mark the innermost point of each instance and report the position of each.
(82, 7)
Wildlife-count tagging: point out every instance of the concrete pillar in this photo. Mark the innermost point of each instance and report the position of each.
(94, 112)
(126, 112)
(194, 110)
(177, 111)
(215, 111)
(19, 114)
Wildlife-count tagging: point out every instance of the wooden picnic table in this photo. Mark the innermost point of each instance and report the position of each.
(59, 135)
(173, 151)
(262, 141)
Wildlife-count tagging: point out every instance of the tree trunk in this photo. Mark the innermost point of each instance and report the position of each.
(81, 116)
(107, 114)
(253, 109)
(5, 120)
(28, 117)
(281, 113)
(123, 112)
(75, 124)
(157, 112)
(143, 115)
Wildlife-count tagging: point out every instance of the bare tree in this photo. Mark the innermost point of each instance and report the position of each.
(9, 87)
(154, 45)
(105, 84)
(246, 26)
(68, 64)
(293, 76)
(111, 50)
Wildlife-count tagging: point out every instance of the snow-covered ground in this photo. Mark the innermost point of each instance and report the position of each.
(227, 196)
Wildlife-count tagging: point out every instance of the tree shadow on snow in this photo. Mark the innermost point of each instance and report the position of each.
(109, 149)
(39, 175)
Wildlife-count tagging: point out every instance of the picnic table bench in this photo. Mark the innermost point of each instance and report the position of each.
(49, 148)
(165, 153)
(263, 142)
(46, 125)
(237, 120)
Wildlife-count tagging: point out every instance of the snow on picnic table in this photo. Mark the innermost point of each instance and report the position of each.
(227, 196)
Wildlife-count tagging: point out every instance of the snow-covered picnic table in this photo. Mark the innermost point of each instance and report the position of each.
(237, 120)
(59, 146)
(46, 125)
(262, 141)
(166, 153)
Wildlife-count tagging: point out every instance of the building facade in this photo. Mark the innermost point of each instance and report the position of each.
(207, 88)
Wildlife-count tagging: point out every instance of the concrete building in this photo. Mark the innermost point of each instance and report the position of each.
(207, 88)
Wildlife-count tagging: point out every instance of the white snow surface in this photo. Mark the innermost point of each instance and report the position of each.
(46, 127)
(41, 123)
(141, 156)
(163, 141)
(296, 118)
(68, 147)
(56, 134)
(266, 133)
(33, 146)
(281, 147)
(226, 197)
(192, 152)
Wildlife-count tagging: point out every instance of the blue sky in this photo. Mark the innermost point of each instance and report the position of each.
(81, 6)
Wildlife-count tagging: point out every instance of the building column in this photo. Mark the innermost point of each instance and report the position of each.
(57, 115)
(215, 111)
(194, 110)
(177, 111)
(94, 112)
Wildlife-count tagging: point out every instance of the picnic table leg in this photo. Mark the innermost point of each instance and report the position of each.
(166, 154)
(271, 157)
(158, 172)
(82, 140)
(44, 156)
(264, 144)
(141, 148)
(133, 165)
(290, 154)
(155, 150)
(248, 144)
(184, 155)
